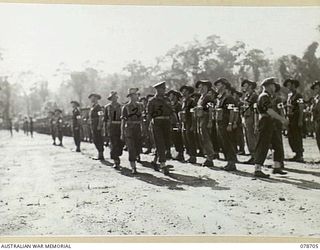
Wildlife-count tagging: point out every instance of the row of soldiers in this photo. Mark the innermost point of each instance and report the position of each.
(202, 121)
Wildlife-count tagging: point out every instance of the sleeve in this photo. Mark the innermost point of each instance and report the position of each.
(124, 113)
(149, 108)
(229, 103)
(106, 115)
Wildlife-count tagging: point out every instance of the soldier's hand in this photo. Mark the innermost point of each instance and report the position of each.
(300, 124)
(209, 125)
(234, 126)
(122, 137)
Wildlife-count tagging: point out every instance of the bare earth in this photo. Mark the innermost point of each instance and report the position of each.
(50, 190)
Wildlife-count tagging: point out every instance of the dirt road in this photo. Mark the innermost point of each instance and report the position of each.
(50, 190)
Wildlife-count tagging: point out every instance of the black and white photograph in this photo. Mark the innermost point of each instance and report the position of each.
(122, 120)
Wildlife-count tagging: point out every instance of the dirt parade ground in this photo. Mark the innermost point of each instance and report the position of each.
(51, 190)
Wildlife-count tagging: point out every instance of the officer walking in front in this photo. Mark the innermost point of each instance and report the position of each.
(76, 124)
(266, 127)
(113, 127)
(224, 121)
(59, 125)
(159, 111)
(96, 121)
(248, 113)
(295, 107)
(316, 110)
(131, 127)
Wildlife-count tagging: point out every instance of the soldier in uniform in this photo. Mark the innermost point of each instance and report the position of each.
(295, 109)
(131, 127)
(195, 125)
(248, 113)
(59, 125)
(316, 110)
(224, 121)
(267, 132)
(237, 123)
(185, 115)
(278, 149)
(52, 125)
(113, 127)
(202, 111)
(176, 134)
(96, 121)
(159, 111)
(76, 124)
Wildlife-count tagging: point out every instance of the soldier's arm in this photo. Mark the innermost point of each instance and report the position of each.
(301, 108)
(124, 116)
(100, 114)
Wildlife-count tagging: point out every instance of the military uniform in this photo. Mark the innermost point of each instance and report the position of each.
(202, 112)
(159, 111)
(96, 118)
(113, 125)
(176, 134)
(188, 133)
(131, 116)
(278, 154)
(268, 131)
(248, 113)
(224, 107)
(76, 126)
(295, 132)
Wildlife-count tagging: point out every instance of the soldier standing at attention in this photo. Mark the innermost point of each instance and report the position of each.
(59, 125)
(96, 121)
(225, 119)
(76, 124)
(266, 127)
(278, 153)
(176, 134)
(237, 124)
(113, 126)
(131, 127)
(202, 111)
(316, 110)
(295, 109)
(248, 113)
(159, 111)
(185, 115)
(52, 125)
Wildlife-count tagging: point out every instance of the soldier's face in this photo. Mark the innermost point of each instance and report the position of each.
(185, 92)
(134, 97)
(161, 91)
(203, 88)
(317, 89)
(219, 87)
(74, 105)
(93, 99)
(245, 87)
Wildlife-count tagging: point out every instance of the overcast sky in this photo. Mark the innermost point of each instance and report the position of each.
(39, 37)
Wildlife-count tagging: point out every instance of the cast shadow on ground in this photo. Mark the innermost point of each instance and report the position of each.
(173, 180)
